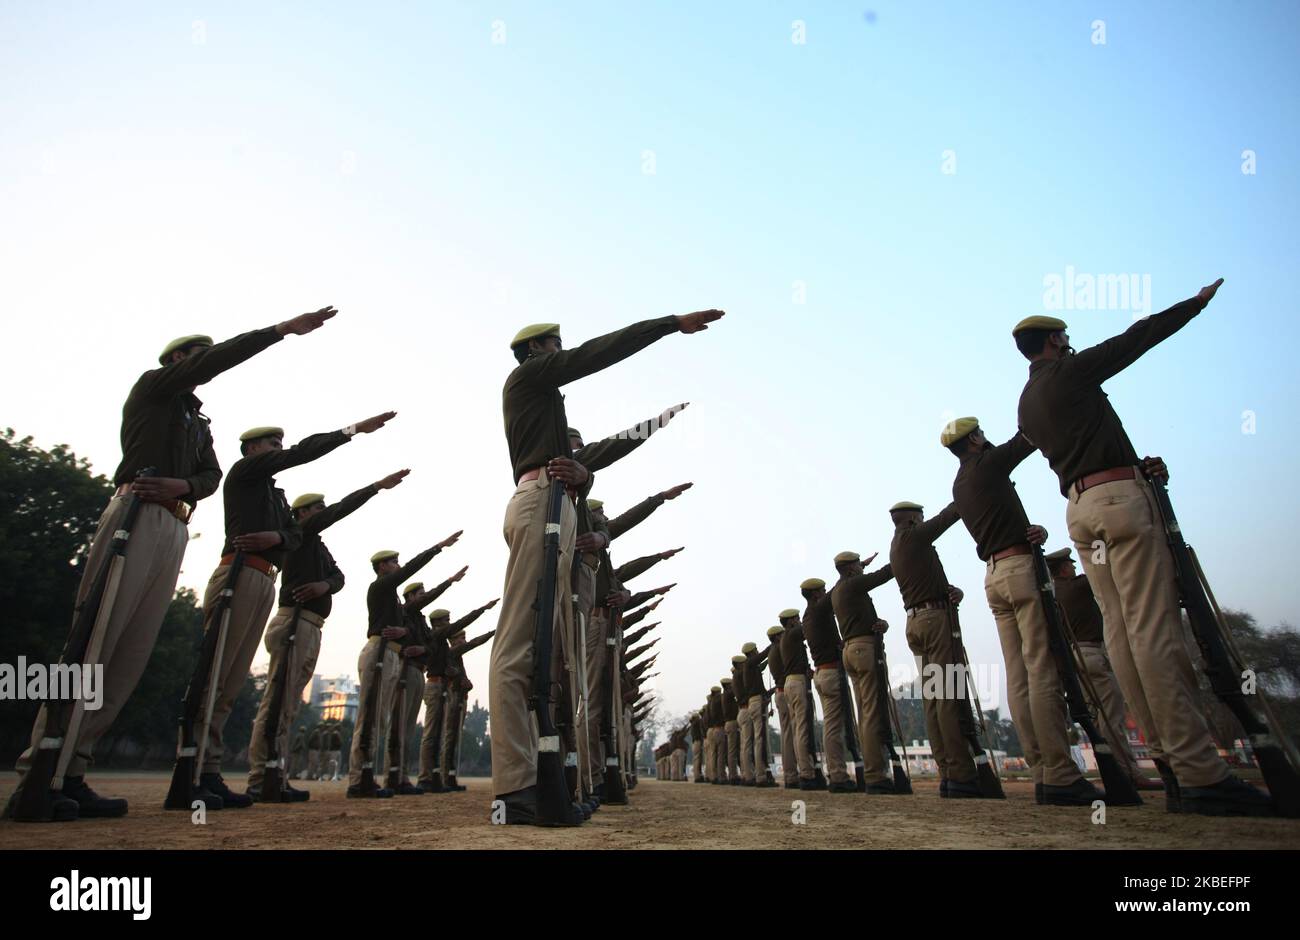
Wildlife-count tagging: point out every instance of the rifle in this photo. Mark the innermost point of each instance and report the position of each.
(190, 747)
(985, 766)
(272, 779)
(83, 646)
(554, 807)
(1274, 750)
(887, 706)
(1119, 788)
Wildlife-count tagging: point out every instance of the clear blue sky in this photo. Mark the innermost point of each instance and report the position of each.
(171, 168)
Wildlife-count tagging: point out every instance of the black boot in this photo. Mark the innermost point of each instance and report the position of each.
(229, 799)
(59, 808)
(1078, 793)
(294, 795)
(957, 790)
(453, 785)
(943, 788)
(1038, 794)
(90, 805)
(433, 784)
(1231, 796)
(521, 810)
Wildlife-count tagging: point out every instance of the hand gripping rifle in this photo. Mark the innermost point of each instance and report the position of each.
(83, 646)
(192, 741)
(971, 718)
(891, 726)
(274, 776)
(1275, 751)
(1119, 788)
(554, 806)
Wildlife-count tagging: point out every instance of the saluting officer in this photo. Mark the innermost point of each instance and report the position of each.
(164, 428)
(1065, 413)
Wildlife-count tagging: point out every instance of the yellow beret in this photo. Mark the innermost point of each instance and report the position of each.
(955, 430)
(726, 680)
(788, 612)
(197, 339)
(842, 557)
(536, 331)
(253, 434)
(440, 614)
(811, 584)
(413, 586)
(574, 432)
(307, 499)
(775, 631)
(386, 554)
(716, 688)
(749, 648)
(1061, 554)
(595, 504)
(1038, 323)
(905, 506)
(738, 660)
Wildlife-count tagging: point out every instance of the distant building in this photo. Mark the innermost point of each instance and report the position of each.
(336, 697)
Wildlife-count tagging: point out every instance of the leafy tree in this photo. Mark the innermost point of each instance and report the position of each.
(475, 744)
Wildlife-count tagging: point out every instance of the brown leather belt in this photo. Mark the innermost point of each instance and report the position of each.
(926, 605)
(1102, 476)
(256, 562)
(531, 475)
(177, 507)
(834, 665)
(1021, 549)
(433, 679)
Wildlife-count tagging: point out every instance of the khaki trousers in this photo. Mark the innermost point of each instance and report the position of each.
(1109, 706)
(453, 723)
(598, 627)
(679, 764)
(586, 724)
(789, 763)
(1033, 683)
(796, 700)
(149, 572)
(402, 720)
(251, 605)
(829, 690)
(732, 732)
(1135, 588)
(431, 739)
(510, 672)
(336, 761)
(697, 760)
(758, 720)
(745, 734)
(873, 723)
(313, 764)
(929, 637)
(302, 663)
(716, 764)
(368, 675)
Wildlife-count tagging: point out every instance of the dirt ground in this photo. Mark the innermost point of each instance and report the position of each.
(660, 816)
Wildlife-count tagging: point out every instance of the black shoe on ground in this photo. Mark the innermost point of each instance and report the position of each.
(1231, 796)
(813, 784)
(380, 793)
(943, 788)
(580, 809)
(406, 788)
(90, 805)
(957, 790)
(880, 789)
(1038, 794)
(521, 810)
(453, 785)
(229, 799)
(433, 784)
(294, 795)
(1173, 792)
(1078, 793)
(255, 794)
(844, 786)
(820, 778)
(61, 809)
